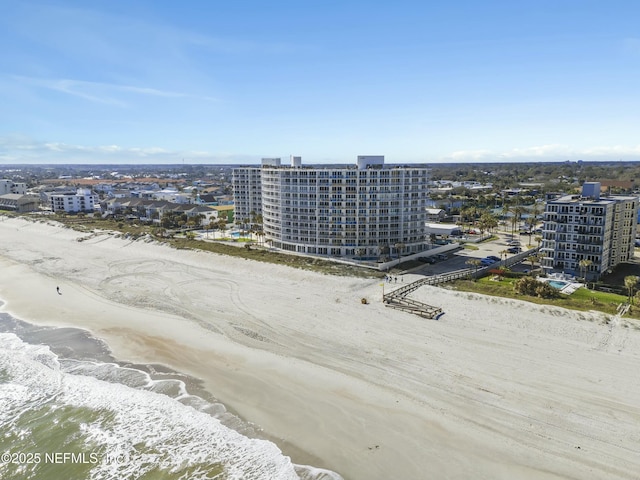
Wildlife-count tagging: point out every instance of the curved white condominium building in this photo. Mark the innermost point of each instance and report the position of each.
(365, 210)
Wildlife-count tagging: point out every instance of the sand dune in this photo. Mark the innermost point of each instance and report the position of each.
(496, 389)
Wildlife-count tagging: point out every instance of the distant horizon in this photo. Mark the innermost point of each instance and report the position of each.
(150, 82)
(285, 164)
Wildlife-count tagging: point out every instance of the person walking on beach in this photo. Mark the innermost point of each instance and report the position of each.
(58, 290)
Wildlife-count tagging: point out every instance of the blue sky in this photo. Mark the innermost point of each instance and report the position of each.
(232, 81)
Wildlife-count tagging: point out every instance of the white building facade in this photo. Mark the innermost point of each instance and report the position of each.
(247, 191)
(82, 201)
(9, 186)
(363, 211)
(597, 230)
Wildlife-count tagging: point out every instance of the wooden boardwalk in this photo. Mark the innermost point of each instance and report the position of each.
(397, 299)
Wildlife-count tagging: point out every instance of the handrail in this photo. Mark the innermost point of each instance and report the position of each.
(397, 298)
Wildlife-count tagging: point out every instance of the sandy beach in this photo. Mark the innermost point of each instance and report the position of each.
(496, 389)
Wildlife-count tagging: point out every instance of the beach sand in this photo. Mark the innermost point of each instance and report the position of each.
(496, 389)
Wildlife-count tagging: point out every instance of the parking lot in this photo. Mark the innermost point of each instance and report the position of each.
(459, 259)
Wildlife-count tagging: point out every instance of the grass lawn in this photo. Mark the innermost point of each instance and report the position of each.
(269, 256)
(582, 299)
(490, 239)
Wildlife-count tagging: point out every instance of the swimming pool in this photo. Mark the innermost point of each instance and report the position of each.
(558, 284)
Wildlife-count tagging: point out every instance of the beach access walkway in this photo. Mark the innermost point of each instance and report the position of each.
(398, 299)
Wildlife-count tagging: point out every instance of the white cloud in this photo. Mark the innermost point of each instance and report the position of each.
(100, 92)
(470, 155)
(20, 149)
(543, 153)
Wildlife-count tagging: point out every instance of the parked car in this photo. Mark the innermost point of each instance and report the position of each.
(485, 262)
(430, 260)
(494, 258)
(514, 250)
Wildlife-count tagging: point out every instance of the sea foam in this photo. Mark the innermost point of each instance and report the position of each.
(129, 429)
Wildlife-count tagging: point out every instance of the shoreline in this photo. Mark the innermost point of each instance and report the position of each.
(496, 389)
(80, 344)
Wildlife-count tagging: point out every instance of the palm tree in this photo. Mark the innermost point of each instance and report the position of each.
(468, 215)
(535, 213)
(502, 270)
(584, 265)
(451, 200)
(464, 213)
(503, 254)
(487, 222)
(630, 283)
(243, 226)
(532, 259)
(517, 215)
(475, 263)
(506, 209)
(538, 239)
(399, 248)
(473, 210)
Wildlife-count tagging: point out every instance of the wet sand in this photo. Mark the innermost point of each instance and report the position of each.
(495, 389)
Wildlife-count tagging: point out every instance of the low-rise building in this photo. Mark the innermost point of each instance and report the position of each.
(154, 210)
(9, 186)
(19, 203)
(443, 229)
(225, 211)
(81, 201)
(436, 215)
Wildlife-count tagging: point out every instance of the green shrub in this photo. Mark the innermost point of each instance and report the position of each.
(545, 290)
(530, 286)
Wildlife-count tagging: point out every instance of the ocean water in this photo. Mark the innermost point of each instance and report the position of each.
(69, 411)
